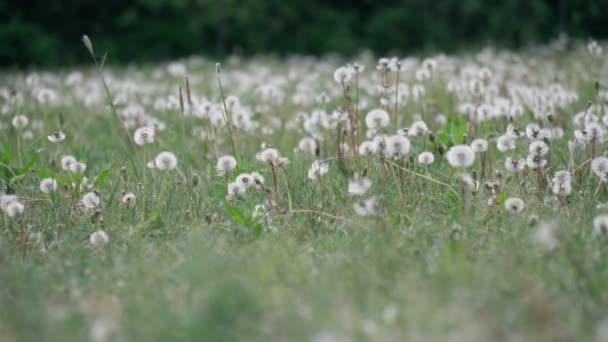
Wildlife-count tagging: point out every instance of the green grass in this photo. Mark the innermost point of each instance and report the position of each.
(437, 263)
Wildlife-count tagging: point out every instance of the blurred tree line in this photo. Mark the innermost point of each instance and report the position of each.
(43, 32)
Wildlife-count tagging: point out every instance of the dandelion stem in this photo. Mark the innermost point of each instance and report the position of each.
(426, 177)
(227, 121)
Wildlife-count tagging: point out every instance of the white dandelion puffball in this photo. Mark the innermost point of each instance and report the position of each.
(505, 143)
(546, 236)
(143, 135)
(479, 145)
(358, 187)
(48, 185)
(600, 225)
(418, 129)
(397, 146)
(514, 205)
(20, 121)
(461, 156)
(368, 148)
(377, 118)
(78, 167)
(317, 169)
(56, 137)
(426, 158)
(268, 155)
(128, 199)
(226, 164)
(14, 209)
(165, 161)
(90, 200)
(244, 180)
(308, 145)
(99, 238)
(66, 162)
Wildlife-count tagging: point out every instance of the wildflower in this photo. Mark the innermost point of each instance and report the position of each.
(505, 143)
(599, 166)
(14, 209)
(257, 178)
(143, 135)
(90, 200)
(514, 205)
(317, 169)
(600, 225)
(397, 146)
(368, 207)
(470, 183)
(308, 145)
(244, 180)
(538, 148)
(479, 145)
(515, 165)
(151, 164)
(546, 236)
(535, 161)
(6, 200)
(561, 184)
(56, 137)
(367, 148)
(343, 74)
(226, 164)
(128, 200)
(426, 158)
(595, 132)
(376, 119)
(20, 121)
(48, 185)
(358, 186)
(514, 132)
(418, 129)
(234, 189)
(165, 161)
(66, 161)
(460, 156)
(99, 238)
(78, 167)
(268, 155)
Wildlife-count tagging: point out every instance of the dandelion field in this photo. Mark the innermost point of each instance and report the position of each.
(434, 198)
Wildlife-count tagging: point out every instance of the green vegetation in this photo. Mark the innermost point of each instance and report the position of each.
(46, 33)
(345, 246)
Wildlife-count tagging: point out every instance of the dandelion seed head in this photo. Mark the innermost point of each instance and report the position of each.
(14, 209)
(418, 129)
(479, 145)
(78, 167)
(90, 200)
(66, 162)
(359, 186)
(165, 161)
(460, 156)
(143, 135)
(397, 146)
(514, 205)
(317, 169)
(600, 225)
(48, 185)
(20, 121)
(226, 164)
(56, 137)
(426, 158)
(99, 238)
(377, 119)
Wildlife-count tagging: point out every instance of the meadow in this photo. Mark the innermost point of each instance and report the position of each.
(428, 198)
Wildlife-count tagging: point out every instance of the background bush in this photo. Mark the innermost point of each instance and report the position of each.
(37, 32)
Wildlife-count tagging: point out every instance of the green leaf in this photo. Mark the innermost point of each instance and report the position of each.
(103, 174)
(235, 214)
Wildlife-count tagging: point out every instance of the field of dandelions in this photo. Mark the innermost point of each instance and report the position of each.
(429, 198)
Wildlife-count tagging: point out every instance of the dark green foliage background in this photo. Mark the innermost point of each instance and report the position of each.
(42, 32)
